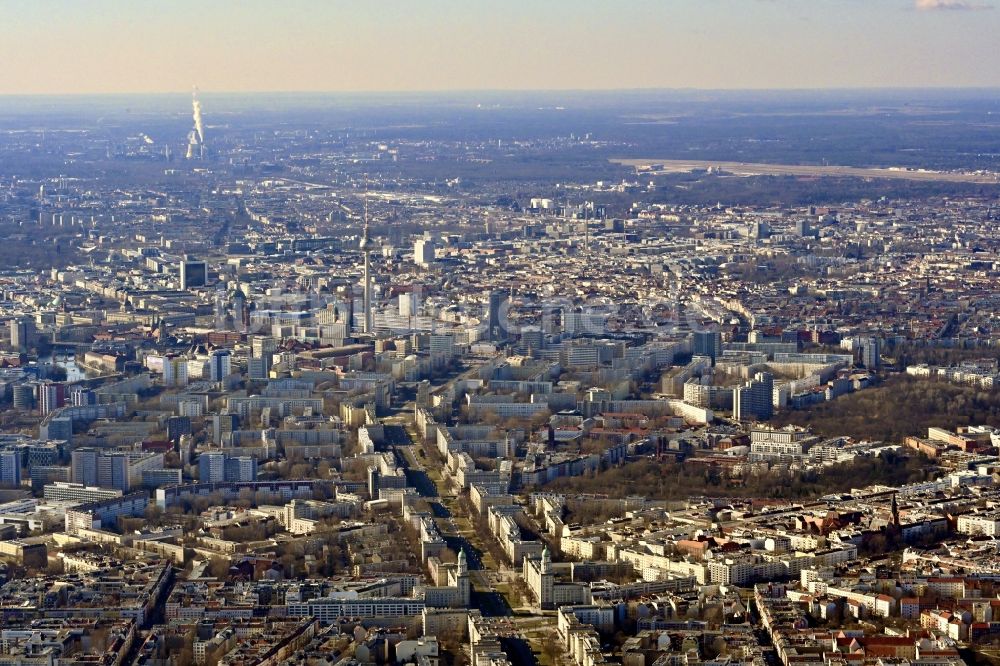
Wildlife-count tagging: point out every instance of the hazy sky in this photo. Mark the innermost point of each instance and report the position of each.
(72, 46)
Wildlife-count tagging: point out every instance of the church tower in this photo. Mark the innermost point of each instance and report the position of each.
(463, 583)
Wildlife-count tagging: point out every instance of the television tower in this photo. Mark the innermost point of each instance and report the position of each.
(366, 246)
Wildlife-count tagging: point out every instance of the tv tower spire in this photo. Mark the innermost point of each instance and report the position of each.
(369, 323)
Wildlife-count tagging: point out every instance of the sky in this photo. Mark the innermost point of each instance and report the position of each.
(144, 46)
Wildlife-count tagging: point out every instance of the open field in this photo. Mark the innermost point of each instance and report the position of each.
(752, 169)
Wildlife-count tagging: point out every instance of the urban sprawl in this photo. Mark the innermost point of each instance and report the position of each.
(271, 398)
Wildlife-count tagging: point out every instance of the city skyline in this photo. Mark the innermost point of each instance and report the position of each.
(54, 47)
(446, 333)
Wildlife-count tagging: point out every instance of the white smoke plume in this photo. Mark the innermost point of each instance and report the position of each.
(196, 112)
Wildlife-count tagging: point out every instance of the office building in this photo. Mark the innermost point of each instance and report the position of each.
(261, 345)
(177, 426)
(42, 475)
(584, 323)
(532, 339)
(83, 466)
(707, 343)
(259, 368)
(10, 469)
(409, 304)
(443, 345)
(344, 308)
(44, 453)
(22, 332)
(495, 326)
(193, 273)
(262, 349)
(23, 396)
(59, 427)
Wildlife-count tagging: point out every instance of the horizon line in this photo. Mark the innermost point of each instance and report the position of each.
(463, 91)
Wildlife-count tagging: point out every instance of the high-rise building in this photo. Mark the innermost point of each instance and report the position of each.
(10, 469)
(260, 367)
(43, 453)
(175, 371)
(373, 482)
(532, 339)
(241, 469)
(578, 324)
(495, 327)
(23, 396)
(111, 469)
(51, 396)
(83, 466)
(871, 353)
(190, 409)
(113, 472)
(60, 428)
(178, 426)
(707, 343)
(345, 306)
(754, 401)
(80, 397)
(441, 344)
(22, 332)
(423, 252)
(223, 425)
(212, 467)
(41, 475)
(409, 304)
(193, 273)
(220, 365)
(261, 345)
(215, 467)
